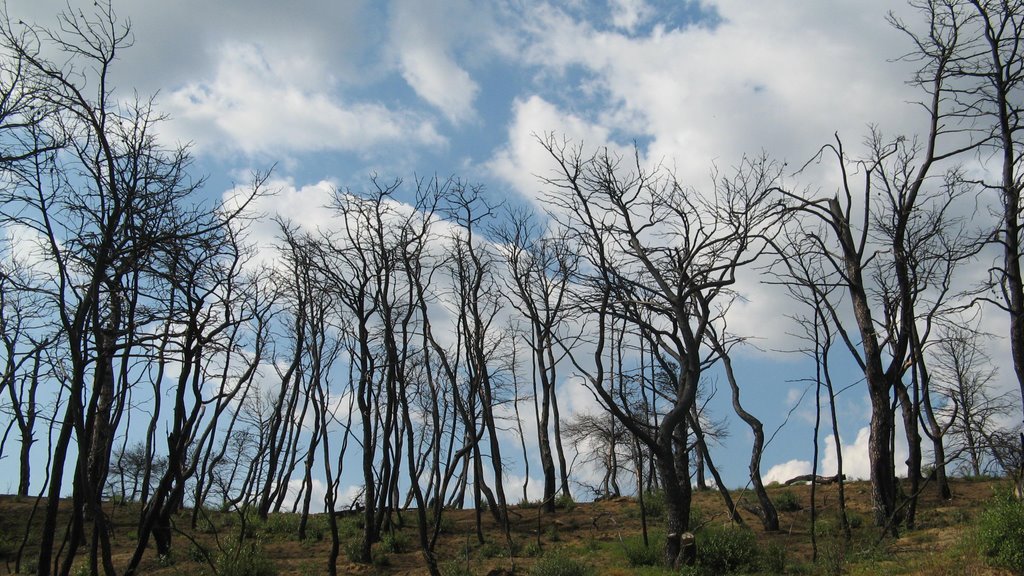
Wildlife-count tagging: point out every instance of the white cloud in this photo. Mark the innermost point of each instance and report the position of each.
(575, 398)
(439, 81)
(257, 104)
(698, 97)
(789, 469)
(421, 32)
(522, 160)
(748, 84)
(24, 247)
(348, 496)
(856, 465)
(794, 395)
(513, 484)
(318, 495)
(628, 14)
(855, 457)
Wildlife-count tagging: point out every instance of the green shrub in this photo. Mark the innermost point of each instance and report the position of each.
(314, 534)
(533, 549)
(696, 517)
(395, 542)
(654, 503)
(639, 555)
(197, 553)
(560, 565)
(854, 519)
(1001, 532)
(311, 568)
(8, 546)
(353, 549)
(282, 524)
(564, 502)
(786, 501)
(316, 528)
(829, 526)
(447, 525)
(245, 559)
(727, 549)
(380, 557)
(773, 559)
(490, 549)
(961, 516)
(553, 534)
(832, 556)
(350, 527)
(205, 526)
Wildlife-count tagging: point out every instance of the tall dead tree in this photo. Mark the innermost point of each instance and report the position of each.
(891, 242)
(659, 256)
(25, 343)
(109, 208)
(472, 266)
(540, 267)
(721, 344)
(975, 47)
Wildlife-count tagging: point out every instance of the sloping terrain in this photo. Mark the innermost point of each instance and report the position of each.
(604, 536)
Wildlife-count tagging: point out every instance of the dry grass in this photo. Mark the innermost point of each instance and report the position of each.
(597, 533)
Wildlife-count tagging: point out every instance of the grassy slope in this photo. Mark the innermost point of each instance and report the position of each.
(596, 533)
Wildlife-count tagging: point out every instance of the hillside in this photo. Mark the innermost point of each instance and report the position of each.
(604, 536)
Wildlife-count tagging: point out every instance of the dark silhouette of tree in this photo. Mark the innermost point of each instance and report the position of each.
(970, 59)
(540, 267)
(659, 256)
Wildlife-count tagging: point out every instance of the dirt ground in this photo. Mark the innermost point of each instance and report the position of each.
(596, 533)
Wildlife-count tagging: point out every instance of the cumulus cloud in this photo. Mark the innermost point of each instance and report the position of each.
(348, 496)
(789, 469)
(699, 98)
(856, 465)
(514, 487)
(257, 104)
(855, 456)
(440, 81)
(318, 494)
(23, 246)
(522, 160)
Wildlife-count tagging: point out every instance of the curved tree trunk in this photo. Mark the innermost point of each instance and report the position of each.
(769, 516)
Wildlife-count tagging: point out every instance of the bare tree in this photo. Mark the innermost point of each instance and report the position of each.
(721, 344)
(658, 256)
(964, 375)
(26, 361)
(884, 242)
(540, 267)
(112, 211)
(974, 47)
(472, 266)
(603, 444)
(807, 282)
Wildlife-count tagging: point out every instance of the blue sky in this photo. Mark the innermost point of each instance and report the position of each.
(333, 91)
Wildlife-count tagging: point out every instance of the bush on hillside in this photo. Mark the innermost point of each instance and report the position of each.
(1001, 532)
